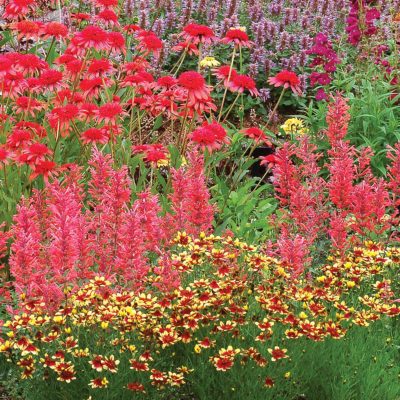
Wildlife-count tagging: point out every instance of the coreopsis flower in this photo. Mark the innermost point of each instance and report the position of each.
(294, 126)
(209, 62)
(95, 135)
(92, 37)
(98, 383)
(196, 33)
(135, 387)
(257, 135)
(277, 353)
(287, 79)
(240, 83)
(238, 37)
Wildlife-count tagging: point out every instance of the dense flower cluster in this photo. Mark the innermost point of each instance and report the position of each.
(230, 309)
(347, 205)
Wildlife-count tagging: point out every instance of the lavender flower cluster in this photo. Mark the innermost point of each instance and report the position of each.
(282, 30)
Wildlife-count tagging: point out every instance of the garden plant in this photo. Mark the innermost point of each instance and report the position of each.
(199, 199)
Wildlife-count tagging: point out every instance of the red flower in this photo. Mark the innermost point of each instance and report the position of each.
(153, 153)
(256, 134)
(108, 17)
(150, 43)
(116, 42)
(100, 67)
(223, 363)
(238, 37)
(240, 83)
(109, 112)
(277, 353)
(195, 85)
(195, 33)
(186, 46)
(95, 135)
(4, 154)
(92, 37)
(51, 79)
(36, 153)
(287, 79)
(135, 387)
(226, 73)
(54, 29)
(44, 168)
(106, 3)
(268, 382)
(26, 29)
(17, 8)
(209, 136)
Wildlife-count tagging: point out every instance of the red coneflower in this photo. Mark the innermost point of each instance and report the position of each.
(195, 33)
(100, 67)
(166, 82)
(51, 79)
(44, 168)
(240, 83)
(257, 135)
(95, 135)
(54, 30)
(4, 154)
(209, 136)
(16, 8)
(238, 37)
(150, 43)
(109, 112)
(27, 105)
(116, 42)
(91, 87)
(19, 138)
(153, 153)
(29, 63)
(36, 153)
(80, 16)
(5, 65)
(26, 29)
(108, 18)
(92, 37)
(107, 3)
(226, 73)
(287, 79)
(195, 85)
(191, 48)
(60, 118)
